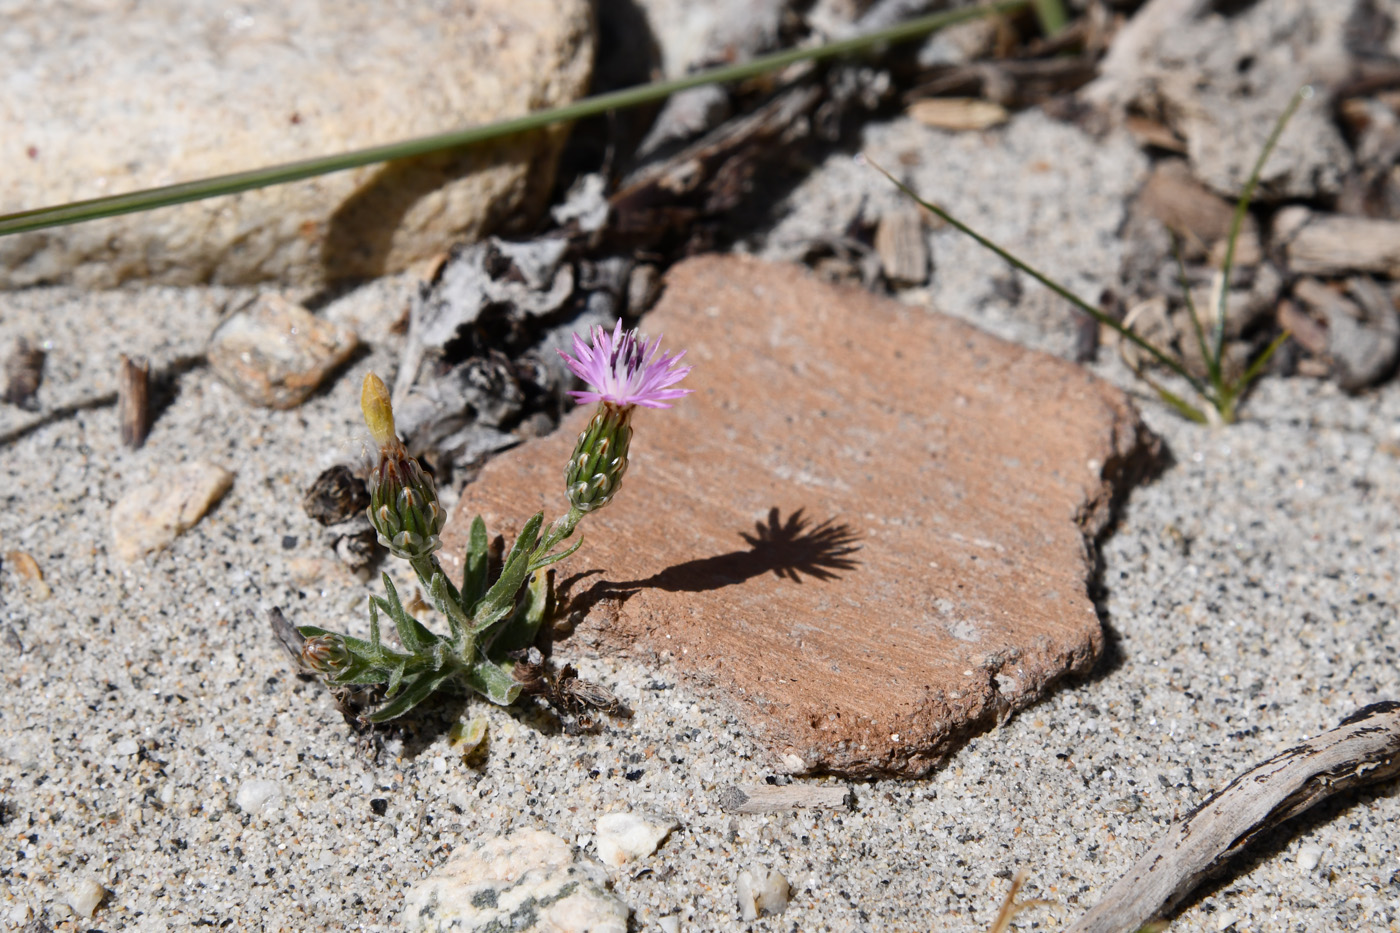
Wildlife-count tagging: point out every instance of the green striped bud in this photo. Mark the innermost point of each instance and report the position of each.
(403, 506)
(327, 655)
(594, 473)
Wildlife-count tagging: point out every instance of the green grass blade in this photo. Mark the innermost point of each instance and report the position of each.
(1242, 208)
(1254, 371)
(1212, 368)
(167, 195)
(1048, 282)
(1051, 15)
(1184, 408)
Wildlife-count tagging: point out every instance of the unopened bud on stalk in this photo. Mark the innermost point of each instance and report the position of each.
(594, 472)
(403, 508)
(327, 655)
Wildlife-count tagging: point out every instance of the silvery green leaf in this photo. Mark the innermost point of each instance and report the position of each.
(474, 574)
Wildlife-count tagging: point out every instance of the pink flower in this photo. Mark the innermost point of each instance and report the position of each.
(625, 369)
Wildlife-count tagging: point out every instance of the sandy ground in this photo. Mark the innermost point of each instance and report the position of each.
(1250, 594)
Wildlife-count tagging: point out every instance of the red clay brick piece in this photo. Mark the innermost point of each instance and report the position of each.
(868, 531)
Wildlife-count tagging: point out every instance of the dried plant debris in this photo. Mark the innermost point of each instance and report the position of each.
(770, 798)
(337, 495)
(134, 400)
(573, 700)
(1360, 324)
(1363, 749)
(479, 363)
(24, 371)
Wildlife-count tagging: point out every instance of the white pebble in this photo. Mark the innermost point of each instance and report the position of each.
(1226, 920)
(21, 914)
(256, 796)
(85, 897)
(670, 924)
(623, 837)
(761, 893)
(1309, 857)
(439, 765)
(126, 747)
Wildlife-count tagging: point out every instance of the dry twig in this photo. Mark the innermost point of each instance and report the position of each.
(1363, 749)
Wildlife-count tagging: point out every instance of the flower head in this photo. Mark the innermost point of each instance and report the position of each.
(626, 369)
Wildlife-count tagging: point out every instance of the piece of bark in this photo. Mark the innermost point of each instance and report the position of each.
(1308, 333)
(1150, 132)
(134, 400)
(1192, 211)
(958, 113)
(1363, 749)
(899, 240)
(1363, 338)
(24, 370)
(1332, 244)
(768, 798)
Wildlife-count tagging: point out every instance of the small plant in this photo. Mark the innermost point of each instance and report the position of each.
(1218, 392)
(491, 622)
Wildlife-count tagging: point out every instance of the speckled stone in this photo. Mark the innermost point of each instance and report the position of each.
(110, 98)
(151, 515)
(275, 353)
(525, 882)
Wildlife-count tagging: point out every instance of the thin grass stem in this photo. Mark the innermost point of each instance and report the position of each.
(1048, 282)
(1051, 16)
(148, 199)
(1241, 209)
(1209, 358)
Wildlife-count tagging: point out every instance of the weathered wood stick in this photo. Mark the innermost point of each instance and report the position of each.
(134, 400)
(1334, 244)
(763, 798)
(1363, 749)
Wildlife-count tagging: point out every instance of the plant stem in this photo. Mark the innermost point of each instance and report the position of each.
(92, 209)
(1051, 16)
(1241, 208)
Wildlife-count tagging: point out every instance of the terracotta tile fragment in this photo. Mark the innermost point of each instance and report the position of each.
(868, 531)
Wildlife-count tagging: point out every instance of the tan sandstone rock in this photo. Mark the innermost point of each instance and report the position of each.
(868, 531)
(108, 98)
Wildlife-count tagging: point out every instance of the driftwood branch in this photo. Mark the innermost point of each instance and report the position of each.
(1363, 749)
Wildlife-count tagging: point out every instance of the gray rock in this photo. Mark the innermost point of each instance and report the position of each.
(1064, 220)
(523, 881)
(120, 99)
(275, 353)
(1221, 82)
(150, 516)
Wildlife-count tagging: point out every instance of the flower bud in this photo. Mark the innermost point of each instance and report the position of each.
(594, 472)
(327, 655)
(403, 506)
(379, 414)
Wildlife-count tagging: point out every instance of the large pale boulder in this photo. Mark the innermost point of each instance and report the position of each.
(110, 97)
